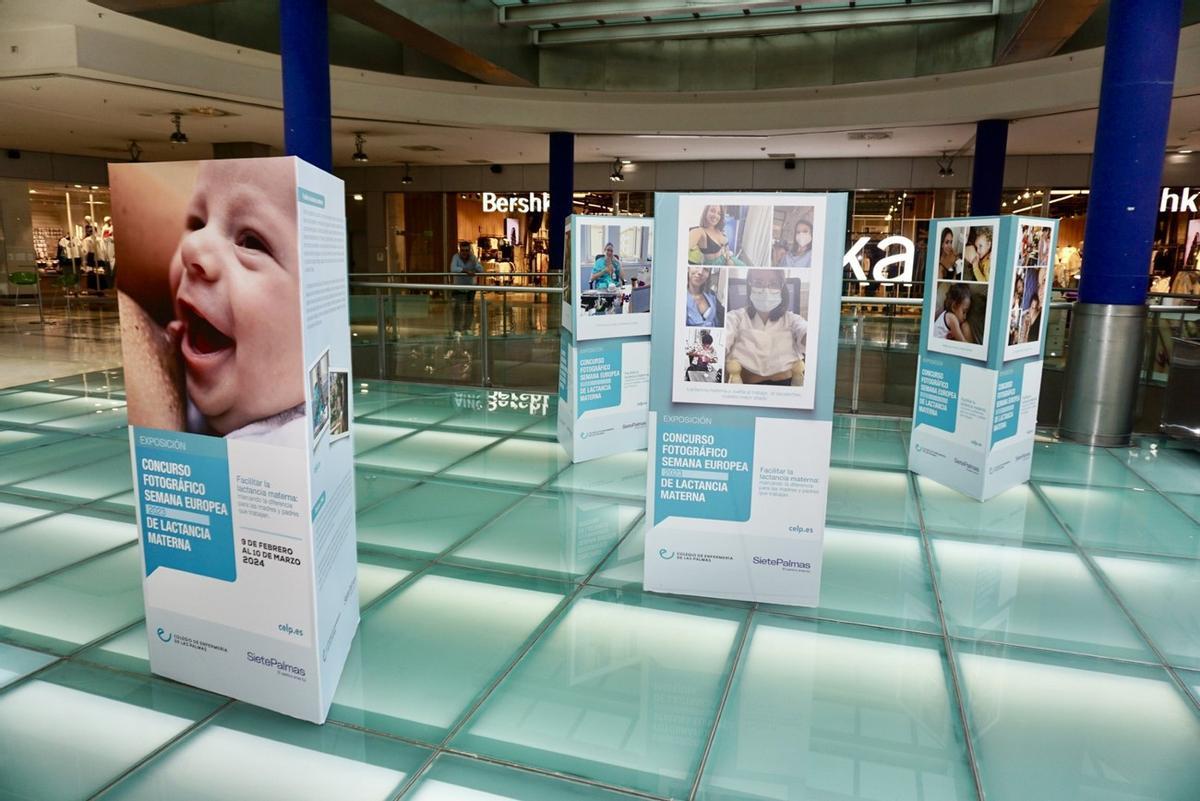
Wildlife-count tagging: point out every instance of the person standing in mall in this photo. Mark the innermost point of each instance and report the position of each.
(465, 266)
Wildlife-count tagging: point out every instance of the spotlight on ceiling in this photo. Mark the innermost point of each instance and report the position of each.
(359, 141)
(618, 168)
(135, 150)
(945, 165)
(407, 177)
(178, 137)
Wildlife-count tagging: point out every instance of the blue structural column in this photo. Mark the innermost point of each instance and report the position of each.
(1108, 323)
(562, 191)
(304, 49)
(987, 176)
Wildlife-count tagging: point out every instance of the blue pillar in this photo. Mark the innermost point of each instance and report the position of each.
(987, 175)
(1108, 323)
(304, 50)
(562, 191)
(1131, 137)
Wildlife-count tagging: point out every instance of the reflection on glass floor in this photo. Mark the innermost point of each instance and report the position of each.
(507, 652)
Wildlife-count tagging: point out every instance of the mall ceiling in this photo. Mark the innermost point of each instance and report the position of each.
(82, 79)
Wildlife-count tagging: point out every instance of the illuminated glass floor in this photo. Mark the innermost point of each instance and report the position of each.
(507, 652)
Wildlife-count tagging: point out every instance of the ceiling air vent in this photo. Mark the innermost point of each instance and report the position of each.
(868, 136)
(781, 155)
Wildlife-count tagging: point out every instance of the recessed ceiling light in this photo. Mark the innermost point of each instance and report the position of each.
(210, 111)
(1185, 151)
(358, 197)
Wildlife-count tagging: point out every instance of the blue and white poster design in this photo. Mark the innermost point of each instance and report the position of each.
(235, 334)
(741, 401)
(604, 388)
(974, 423)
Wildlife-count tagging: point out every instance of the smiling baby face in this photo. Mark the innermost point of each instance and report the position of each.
(235, 279)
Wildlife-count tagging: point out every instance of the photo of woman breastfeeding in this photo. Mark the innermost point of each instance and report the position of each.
(704, 294)
(950, 254)
(708, 243)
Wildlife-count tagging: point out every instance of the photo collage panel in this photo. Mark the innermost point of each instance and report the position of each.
(1030, 289)
(962, 289)
(747, 297)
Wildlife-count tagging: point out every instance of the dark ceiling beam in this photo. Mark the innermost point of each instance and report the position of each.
(423, 40)
(1045, 28)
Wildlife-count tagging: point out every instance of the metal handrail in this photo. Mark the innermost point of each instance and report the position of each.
(448, 274)
(550, 290)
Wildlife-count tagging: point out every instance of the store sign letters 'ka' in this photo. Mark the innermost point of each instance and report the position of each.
(853, 260)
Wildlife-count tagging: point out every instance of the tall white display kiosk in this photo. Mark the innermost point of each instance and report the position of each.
(979, 374)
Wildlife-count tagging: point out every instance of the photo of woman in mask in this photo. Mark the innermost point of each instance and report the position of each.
(765, 340)
(798, 252)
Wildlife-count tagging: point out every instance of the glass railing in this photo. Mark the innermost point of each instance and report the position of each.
(505, 334)
(473, 335)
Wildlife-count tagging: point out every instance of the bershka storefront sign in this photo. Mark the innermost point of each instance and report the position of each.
(521, 203)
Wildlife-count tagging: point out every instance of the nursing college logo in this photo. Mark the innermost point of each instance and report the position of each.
(163, 635)
(665, 554)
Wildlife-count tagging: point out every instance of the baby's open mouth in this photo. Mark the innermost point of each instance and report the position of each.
(202, 336)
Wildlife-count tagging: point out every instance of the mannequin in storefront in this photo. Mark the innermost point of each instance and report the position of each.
(107, 254)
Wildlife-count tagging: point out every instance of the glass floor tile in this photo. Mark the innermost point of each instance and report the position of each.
(875, 577)
(420, 412)
(1140, 521)
(871, 498)
(1068, 463)
(1167, 469)
(514, 462)
(425, 452)
(430, 517)
(856, 446)
(251, 753)
(1053, 726)
(21, 399)
(454, 778)
(59, 456)
(423, 654)
(58, 410)
(372, 486)
(1188, 503)
(484, 670)
(89, 481)
(486, 422)
(1164, 597)
(560, 535)
(98, 421)
(820, 711)
(33, 549)
(1028, 596)
(620, 476)
(1016, 515)
(76, 606)
(369, 435)
(127, 651)
(16, 663)
(625, 567)
(623, 690)
(13, 441)
(17, 509)
(72, 730)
